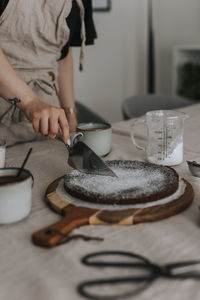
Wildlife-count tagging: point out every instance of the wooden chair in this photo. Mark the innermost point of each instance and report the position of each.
(137, 106)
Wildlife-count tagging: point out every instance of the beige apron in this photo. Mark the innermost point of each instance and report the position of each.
(32, 34)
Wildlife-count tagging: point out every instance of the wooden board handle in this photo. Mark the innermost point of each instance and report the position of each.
(51, 235)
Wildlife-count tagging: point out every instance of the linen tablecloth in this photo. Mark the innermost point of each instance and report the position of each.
(30, 272)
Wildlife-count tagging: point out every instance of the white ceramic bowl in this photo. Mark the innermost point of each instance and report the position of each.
(15, 197)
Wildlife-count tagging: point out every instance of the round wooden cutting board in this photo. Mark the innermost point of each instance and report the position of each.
(74, 217)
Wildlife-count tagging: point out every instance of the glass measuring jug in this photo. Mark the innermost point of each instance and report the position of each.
(164, 136)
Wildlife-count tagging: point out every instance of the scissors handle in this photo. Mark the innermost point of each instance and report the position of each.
(91, 260)
(84, 287)
(135, 261)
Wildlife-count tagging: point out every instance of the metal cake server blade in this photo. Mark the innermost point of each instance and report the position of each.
(85, 160)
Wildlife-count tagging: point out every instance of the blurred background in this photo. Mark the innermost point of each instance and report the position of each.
(116, 66)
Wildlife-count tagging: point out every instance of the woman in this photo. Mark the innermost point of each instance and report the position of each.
(36, 66)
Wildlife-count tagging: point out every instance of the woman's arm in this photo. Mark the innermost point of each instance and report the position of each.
(45, 118)
(66, 89)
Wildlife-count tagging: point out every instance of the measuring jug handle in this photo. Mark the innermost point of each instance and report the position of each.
(132, 134)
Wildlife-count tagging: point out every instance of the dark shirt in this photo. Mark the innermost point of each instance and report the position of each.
(74, 24)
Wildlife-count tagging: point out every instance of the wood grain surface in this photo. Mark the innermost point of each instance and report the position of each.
(74, 217)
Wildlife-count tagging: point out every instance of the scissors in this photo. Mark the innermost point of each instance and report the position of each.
(135, 261)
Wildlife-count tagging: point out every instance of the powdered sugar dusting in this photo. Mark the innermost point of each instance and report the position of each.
(113, 207)
(135, 179)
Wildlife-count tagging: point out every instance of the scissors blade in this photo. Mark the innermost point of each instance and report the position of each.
(84, 159)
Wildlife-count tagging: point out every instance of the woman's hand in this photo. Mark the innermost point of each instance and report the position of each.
(72, 121)
(47, 119)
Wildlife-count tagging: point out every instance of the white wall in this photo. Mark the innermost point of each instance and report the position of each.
(176, 22)
(115, 66)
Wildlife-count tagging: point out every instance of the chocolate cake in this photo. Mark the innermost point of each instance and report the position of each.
(137, 182)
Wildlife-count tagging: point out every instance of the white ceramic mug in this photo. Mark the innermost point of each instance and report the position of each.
(2, 153)
(15, 196)
(96, 135)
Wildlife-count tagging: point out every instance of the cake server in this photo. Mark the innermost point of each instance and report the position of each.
(84, 159)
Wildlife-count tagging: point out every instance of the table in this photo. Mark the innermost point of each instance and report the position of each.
(29, 272)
